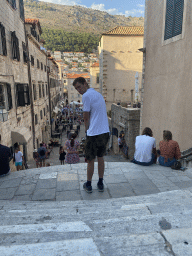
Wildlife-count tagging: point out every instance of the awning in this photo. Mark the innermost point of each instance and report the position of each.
(21, 135)
(56, 110)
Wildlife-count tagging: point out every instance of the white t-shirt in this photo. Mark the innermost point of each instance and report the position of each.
(18, 156)
(94, 103)
(143, 148)
(119, 141)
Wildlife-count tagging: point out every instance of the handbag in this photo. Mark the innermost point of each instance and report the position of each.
(176, 166)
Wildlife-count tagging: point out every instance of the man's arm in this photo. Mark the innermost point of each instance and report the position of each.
(86, 117)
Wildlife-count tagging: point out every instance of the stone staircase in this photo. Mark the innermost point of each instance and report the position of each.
(150, 225)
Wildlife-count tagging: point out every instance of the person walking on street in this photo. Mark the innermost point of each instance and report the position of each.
(5, 155)
(72, 146)
(96, 128)
(62, 155)
(18, 158)
(42, 155)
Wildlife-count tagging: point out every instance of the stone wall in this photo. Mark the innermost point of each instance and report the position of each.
(127, 120)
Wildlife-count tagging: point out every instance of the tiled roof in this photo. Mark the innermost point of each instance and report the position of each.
(96, 64)
(74, 76)
(33, 21)
(126, 31)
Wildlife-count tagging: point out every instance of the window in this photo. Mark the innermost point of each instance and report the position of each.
(64, 81)
(3, 47)
(46, 89)
(34, 92)
(15, 46)
(32, 60)
(44, 111)
(38, 64)
(174, 18)
(5, 96)
(45, 68)
(97, 79)
(47, 108)
(24, 53)
(12, 3)
(33, 32)
(41, 66)
(43, 90)
(22, 95)
(41, 114)
(39, 91)
(21, 7)
(36, 119)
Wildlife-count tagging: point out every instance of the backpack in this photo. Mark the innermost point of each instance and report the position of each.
(42, 152)
(176, 166)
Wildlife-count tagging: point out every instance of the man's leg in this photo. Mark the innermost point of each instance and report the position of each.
(90, 169)
(100, 167)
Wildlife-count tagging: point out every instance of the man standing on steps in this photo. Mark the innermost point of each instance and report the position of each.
(96, 128)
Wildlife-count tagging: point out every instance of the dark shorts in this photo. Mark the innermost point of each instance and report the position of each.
(96, 146)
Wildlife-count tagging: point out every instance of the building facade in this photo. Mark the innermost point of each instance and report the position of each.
(168, 78)
(39, 80)
(120, 64)
(94, 76)
(15, 107)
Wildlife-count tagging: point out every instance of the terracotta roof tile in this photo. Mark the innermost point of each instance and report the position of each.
(33, 21)
(96, 64)
(126, 31)
(74, 76)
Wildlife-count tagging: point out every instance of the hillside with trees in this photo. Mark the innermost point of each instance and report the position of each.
(75, 28)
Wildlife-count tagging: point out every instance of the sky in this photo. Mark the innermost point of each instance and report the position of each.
(133, 8)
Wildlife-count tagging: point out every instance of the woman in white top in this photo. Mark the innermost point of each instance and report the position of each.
(145, 148)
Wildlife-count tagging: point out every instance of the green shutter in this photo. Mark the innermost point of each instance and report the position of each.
(178, 21)
(169, 19)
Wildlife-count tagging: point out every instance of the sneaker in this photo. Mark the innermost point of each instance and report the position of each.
(88, 189)
(100, 187)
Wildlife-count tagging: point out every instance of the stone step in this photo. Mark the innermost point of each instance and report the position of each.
(158, 224)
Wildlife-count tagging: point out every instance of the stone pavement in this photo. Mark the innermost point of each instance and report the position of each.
(150, 225)
(65, 182)
(144, 211)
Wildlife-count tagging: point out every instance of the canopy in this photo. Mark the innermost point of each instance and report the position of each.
(76, 103)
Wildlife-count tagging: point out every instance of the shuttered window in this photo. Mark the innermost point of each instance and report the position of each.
(24, 52)
(34, 92)
(3, 46)
(174, 18)
(2, 97)
(21, 7)
(22, 95)
(39, 91)
(15, 46)
(9, 97)
(5, 97)
(12, 3)
(32, 60)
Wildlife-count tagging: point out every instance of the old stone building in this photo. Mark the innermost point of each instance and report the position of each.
(168, 78)
(40, 90)
(15, 107)
(126, 120)
(25, 93)
(94, 76)
(120, 64)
